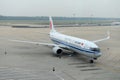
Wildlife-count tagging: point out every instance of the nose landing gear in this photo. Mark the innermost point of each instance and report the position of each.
(91, 61)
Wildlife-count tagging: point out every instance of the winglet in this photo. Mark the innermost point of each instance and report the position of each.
(108, 33)
(108, 37)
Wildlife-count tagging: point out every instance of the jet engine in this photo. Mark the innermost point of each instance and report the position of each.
(57, 51)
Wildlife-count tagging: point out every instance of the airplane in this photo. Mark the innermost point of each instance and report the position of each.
(63, 42)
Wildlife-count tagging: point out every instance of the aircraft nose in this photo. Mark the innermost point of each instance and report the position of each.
(98, 54)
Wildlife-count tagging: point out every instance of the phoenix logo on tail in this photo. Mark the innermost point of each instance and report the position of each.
(63, 42)
(51, 24)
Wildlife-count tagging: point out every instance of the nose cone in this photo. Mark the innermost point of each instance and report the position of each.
(98, 54)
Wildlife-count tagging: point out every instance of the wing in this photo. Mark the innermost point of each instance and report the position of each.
(108, 37)
(40, 43)
(37, 43)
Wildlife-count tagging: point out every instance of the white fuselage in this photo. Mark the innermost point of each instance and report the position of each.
(78, 45)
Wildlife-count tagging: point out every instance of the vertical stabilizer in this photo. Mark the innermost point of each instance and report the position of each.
(51, 25)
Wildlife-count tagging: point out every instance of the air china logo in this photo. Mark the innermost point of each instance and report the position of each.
(82, 44)
(50, 24)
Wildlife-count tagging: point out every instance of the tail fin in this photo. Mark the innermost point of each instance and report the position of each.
(51, 25)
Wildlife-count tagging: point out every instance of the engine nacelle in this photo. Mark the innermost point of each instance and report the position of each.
(57, 50)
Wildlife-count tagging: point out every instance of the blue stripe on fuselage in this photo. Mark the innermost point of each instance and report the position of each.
(64, 43)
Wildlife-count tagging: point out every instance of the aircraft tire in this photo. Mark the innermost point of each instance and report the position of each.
(91, 61)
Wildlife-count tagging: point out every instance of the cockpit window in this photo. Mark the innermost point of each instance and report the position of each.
(95, 49)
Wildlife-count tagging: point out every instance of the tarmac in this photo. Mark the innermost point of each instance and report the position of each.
(23, 61)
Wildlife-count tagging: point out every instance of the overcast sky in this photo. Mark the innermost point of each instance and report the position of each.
(78, 8)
